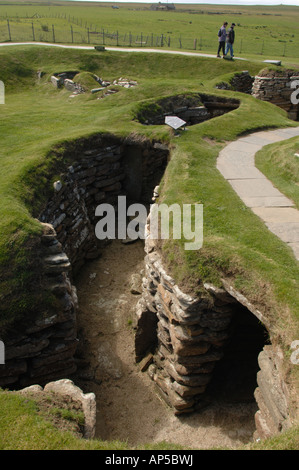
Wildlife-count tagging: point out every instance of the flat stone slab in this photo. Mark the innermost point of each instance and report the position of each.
(278, 214)
(288, 233)
(248, 148)
(267, 201)
(236, 157)
(254, 188)
(231, 172)
(275, 62)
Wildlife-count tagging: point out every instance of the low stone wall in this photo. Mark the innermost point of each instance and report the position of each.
(241, 81)
(277, 90)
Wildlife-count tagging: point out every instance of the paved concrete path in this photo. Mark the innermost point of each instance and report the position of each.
(115, 49)
(236, 162)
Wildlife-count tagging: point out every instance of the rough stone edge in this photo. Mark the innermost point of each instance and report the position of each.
(66, 387)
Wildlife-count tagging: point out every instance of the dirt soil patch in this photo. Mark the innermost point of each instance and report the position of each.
(129, 407)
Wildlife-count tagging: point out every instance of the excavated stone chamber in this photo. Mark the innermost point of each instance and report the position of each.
(193, 108)
(197, 349)
(99, 169)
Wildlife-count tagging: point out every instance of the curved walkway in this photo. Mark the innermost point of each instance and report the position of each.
(236, 162)
(115, 49)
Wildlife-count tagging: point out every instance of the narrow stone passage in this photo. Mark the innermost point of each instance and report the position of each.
(129, 407)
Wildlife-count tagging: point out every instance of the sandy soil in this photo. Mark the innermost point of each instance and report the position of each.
(128, 405)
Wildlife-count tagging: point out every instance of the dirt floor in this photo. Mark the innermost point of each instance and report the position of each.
(128, 405)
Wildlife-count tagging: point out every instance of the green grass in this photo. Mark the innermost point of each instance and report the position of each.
(39, 127)
(30, 131)
(23, 427)
(260, 31)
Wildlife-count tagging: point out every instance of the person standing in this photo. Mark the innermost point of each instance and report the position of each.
(221, 39)
(230, 39)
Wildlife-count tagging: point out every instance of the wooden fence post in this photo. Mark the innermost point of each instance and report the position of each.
(53, 33)
(8, 26)
(33, 35)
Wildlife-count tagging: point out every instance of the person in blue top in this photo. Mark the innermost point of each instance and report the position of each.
(221, 39)
(230, 39)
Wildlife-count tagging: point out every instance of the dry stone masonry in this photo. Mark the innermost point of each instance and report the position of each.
(45, 347)
(100, 169)
(275, 87)
(192, 108)
(185, 334)
(181, 338)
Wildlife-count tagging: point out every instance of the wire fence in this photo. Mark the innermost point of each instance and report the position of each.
(27, 31)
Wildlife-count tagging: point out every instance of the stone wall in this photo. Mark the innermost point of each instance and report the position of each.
(241, 81)
(181, 338)
(43, 349)
(184, 333)
(276, 88)
(272, 394)
(192, 108)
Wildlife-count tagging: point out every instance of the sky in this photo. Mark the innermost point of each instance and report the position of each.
(212, 2)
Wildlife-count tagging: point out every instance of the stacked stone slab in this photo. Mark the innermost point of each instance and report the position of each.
(180, 338)
(94, 177)
(272, 395)
(45, 347)
(192, 110)
(186, 335)
(241, 82)
(276, 88)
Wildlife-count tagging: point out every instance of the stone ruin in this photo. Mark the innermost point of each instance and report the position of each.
(269, 85)
(192, 108)
(275, 87)
(65, 79)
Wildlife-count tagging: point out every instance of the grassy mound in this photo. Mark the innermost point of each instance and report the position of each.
(41, 124)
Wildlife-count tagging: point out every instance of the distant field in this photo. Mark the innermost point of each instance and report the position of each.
(266, 32)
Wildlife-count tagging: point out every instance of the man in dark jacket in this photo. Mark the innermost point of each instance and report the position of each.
(230, 39)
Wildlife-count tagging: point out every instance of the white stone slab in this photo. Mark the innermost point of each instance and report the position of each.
(174, 122)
